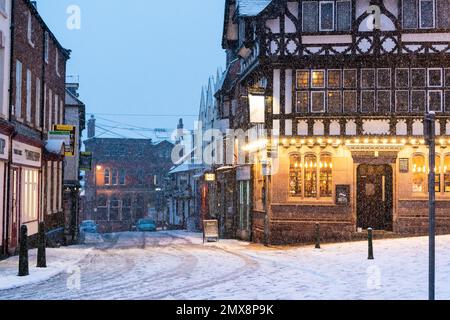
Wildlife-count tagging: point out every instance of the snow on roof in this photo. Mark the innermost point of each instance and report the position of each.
(250, 8)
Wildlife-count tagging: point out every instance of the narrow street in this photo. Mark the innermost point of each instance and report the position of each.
(176, 265)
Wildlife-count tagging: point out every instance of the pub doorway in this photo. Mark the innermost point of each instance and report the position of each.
(375, 197)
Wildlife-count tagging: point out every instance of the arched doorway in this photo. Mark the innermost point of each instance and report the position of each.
(375, 197)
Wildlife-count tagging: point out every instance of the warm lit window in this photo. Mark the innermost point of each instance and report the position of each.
(318, 79)
(419, 169)
(326, 176)
(446, 171)
(334, 101)
(310, 176)
(107, 177)
(30, 195)
(334, 78)
(295, 176)
(438, 171)
(303, 79)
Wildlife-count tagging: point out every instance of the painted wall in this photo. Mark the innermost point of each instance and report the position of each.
(5, 52)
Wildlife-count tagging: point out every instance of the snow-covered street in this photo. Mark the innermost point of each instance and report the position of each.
(176, 265)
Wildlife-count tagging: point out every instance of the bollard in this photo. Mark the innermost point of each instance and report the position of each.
(370, 233)
(317, 236)
(41, 257)
(23, 252)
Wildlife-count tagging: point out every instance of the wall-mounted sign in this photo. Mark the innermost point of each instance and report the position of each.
(343, 195)
(4, 147)
(404, 165)
(26, 155)
(243, 173)
(71, 130)
(86, 161)
(210, 177)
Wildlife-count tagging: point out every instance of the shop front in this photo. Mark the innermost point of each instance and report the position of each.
(25, 173)
(348, 186)
(243, 178)
(4, 155)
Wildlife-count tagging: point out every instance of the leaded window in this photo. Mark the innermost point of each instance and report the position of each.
(419, 174)
(295, 176)
(310, 176)
(326, 176)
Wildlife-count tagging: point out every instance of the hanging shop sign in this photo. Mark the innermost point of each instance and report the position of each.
(86, 161)
(243, 173)
(27, 155)
(69, 149)
(210, 177)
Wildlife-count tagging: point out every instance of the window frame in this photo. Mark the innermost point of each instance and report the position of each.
(420, 14)
(429, 77)
(325, 79)
(333, 28)
(324, 101)
(396, 100)
(428, 100)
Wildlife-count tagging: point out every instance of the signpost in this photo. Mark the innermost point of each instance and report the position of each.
(86, 161)
(430, 135)
(210, 230)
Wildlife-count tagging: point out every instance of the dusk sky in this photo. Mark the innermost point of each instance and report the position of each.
(140, 56)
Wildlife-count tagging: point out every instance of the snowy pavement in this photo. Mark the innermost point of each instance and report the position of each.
(176, 265)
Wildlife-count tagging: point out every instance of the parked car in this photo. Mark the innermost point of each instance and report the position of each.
(88, 226)
(145, 225)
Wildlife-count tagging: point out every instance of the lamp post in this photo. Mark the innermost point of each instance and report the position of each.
(430, 135)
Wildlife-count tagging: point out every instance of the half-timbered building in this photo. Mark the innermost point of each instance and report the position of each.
(342, 88)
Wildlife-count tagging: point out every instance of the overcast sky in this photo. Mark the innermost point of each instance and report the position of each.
(141, 56)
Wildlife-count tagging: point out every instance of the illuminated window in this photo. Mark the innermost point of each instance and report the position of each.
(419, 174)
(326, 176)
(334, 78)
(295, 176)
(334, 101)
(310, 176)
(303, 79)
(438, 171)
(302, 102)
(318, 79)
(446, 171)
(107, 177)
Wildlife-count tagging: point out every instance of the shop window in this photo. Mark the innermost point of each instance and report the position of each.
(402, 101)
(334, 78)
(438, 171)
(418, 78)
(302, 102)
(334, 101)
(350, 101)
(418, 100)
(367, 101)
(295, 176)
(446, 171)
(318, 101)
(384, 78)
(326, 176)
(302, 79)
(368, 78)
(419, 170)
(310, 176)
(107, 179)
(350, 79)
(318, 79)
(435, 78)
(402, 78)
(435, 100)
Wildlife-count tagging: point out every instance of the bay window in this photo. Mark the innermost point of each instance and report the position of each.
(419, 174)
(327, 16)
(326, 177)
(318, 79)
(303, 79)
(334, 101)
(310, 176)
(422, 14)
(318, 101)
(295, 176)
(302, 101)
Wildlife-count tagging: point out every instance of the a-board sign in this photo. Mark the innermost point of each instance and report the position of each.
(210, 230)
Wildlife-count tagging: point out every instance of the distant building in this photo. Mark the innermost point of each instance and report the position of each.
(126, 182)
(75, 115)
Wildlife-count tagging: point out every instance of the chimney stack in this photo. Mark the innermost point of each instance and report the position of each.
(91, 127)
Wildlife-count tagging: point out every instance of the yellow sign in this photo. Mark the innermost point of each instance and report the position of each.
(210, 177)
(72, 131)
(63, 127)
